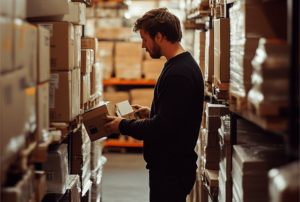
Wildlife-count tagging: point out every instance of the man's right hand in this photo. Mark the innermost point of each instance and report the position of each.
(143, 110)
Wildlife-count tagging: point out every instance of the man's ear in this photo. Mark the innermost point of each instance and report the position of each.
(158, 37)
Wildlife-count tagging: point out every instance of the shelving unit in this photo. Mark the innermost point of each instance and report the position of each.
(115, 81)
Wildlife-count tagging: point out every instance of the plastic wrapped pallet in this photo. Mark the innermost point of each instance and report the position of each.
(284, 183)
(270, 78)
(250, 166)
(96, 79)
(73, 190)
(97, 182)
(209, 55)
(56, 169)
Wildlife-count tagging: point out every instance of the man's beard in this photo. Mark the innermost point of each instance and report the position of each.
(156, 51)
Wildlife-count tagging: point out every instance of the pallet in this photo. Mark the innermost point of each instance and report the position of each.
(240, 102)
(269, 109)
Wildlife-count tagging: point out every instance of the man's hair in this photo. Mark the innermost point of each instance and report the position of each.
(160, 20)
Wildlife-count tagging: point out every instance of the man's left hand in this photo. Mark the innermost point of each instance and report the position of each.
(113, 126)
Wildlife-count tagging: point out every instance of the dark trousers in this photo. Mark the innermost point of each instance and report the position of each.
(169, 189)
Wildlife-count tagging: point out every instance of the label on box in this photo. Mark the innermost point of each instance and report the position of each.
(53, 84)
(49, 27)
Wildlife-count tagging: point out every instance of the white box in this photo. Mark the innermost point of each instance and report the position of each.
(38, 8)
(19, 8)
(19, 43)
(43, 55)
(77, 45)
(30, 114)
(42, 109)
(12, 121)
(30, 54)
(6, 37)
(76, 15)
(6, 8)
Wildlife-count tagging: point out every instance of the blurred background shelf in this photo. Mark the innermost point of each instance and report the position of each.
(118, 143)
(115, 81)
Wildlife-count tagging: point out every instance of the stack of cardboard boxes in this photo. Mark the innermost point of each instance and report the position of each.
(128, 60)
(199, 49)
(142, 96)
(209, 59)
(105, 55)
(152, 67)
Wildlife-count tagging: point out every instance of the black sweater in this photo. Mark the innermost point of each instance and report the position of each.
(171, 132)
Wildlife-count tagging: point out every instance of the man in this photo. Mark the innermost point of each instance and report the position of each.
(171, 128)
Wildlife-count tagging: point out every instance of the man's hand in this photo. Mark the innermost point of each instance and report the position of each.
(113, 126)
(143, 111)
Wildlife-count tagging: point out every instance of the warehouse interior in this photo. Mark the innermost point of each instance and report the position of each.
(66, 63)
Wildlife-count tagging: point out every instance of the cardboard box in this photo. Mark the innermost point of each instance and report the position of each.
(6, 9)
(76, 15)
(75, 92)
(125, 49)
(94, 122)
(128, 67)
(60, 99)
(105, 49)
(209, 55)
(31, 54)
(30, 115)
(77, 46)
(216, 110)
(114, 33)
(211, 139)
(85, 88)
(19, 9)
(212, 177)
(152, 68)
(19, 56)
(85, 61)
(90, 43)
(6, 37)
(107, 63)
(213, 123)
(211, 165)
(12, 112)
(36, 8)
(89, 27)
(43, 55)
(41, 185)
(42, 109)
(142, 96)
(96, 79)
(61, 45)
(116, 97)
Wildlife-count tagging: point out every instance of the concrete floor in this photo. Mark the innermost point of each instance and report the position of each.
(125, 178)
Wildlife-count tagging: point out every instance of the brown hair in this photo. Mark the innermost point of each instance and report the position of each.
(160, 20)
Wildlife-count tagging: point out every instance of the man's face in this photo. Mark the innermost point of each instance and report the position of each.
(151, 46)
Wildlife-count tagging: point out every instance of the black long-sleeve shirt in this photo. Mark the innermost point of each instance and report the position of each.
(171, 132)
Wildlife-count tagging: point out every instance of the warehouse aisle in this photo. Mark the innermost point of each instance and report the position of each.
(125, 178)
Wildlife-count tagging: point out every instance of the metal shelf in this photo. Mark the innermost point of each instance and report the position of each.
(115, 81)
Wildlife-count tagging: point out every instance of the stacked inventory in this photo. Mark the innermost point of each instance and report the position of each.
(142, 96)
(86, 66)
(105, 56)
(81, 158)
(128, 60)
(250, 20)
(209, 59)
(199, 49)
(152, 67)
(284, 184)
(250, 170)
(73, 190)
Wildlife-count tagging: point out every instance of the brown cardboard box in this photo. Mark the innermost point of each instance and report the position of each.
(152, 68)
(19, 9)
(43, 55)
(90, 43)
(125, 49)
(6, 37)
(211, 139)
(76, 15)
(221, 50)
(107, 67)
(75, 92)
(60, 99)
(213, 123)
(209, 55)
(19, 33)
(12, 111)
(216, 109)
(6, 8)
(105, 49)
(128, 67)
(212, 177)
(94, 121)
(114, 33)
(116, 97)
(85, 88)
(41, 185)
(85, 61)
(77, 46)
(30, 54)
(51, 8)
(142, 96)
(42, 109)
(61, 45)
(211, 165)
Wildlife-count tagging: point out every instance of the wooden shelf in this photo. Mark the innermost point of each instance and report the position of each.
(115, 81)
(117, 143)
